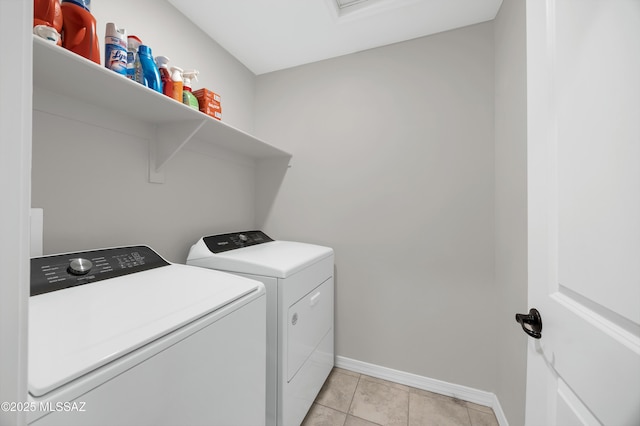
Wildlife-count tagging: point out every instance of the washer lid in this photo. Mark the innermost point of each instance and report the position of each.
(279, 259)
(76, 330)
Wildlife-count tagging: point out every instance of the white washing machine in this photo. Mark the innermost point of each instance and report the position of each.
(299, 282)
(122, 337)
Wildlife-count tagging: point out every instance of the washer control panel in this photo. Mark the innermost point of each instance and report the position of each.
(57, 272)
(235, 240)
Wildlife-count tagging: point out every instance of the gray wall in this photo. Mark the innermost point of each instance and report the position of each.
(90, 166)
(511, 205)
(393, 168)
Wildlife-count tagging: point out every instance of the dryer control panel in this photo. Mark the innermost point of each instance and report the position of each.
(57, 272)
(235, 240)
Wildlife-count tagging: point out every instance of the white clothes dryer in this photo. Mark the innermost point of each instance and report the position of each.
(300, 297)
(122, 337)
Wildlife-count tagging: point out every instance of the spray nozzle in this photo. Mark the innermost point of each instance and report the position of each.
(133, 42)
(190, 75)
(176, 74)
(162, 61)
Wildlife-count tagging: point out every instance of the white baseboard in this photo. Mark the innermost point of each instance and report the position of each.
(476, 396)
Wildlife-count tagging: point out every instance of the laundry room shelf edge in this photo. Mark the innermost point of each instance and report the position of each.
(64, 73)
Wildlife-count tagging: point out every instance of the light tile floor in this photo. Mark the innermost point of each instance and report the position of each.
(352, 399)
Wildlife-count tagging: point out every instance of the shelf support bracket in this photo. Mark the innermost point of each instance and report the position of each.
(170, 138)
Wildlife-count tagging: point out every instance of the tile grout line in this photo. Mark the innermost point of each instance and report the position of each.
(408, 406)
(351, 402)
(469, 415)
(354, 394)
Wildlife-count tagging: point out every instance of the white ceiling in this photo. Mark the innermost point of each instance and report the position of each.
(270, 35)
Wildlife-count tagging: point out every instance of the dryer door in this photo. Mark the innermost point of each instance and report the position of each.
(309, 320)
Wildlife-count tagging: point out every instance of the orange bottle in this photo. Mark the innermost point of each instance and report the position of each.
(79, 30)
(49, 13)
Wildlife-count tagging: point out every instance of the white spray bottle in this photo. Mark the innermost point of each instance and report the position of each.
(188, 98)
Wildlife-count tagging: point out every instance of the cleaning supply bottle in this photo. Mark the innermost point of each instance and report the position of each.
(188, 97)
(79, 29)
(48, 33)
(165, 76)
(115, 49)
(134, 67)
(176, 80)
(48, 13)
(150, 73)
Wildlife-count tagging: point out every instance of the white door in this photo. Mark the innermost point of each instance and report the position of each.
(16, 24)
(583, 71)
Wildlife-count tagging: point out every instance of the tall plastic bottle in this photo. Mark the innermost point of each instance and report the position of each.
(49, 13)
(165, 76)
(134, 67)
(79, 29)
(189, 98)
(176, 79)
(150, 73)
(115, 49)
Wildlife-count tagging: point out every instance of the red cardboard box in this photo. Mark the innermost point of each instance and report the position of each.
(212, 113)
(209, 102)
(209, 105)
(207, 94)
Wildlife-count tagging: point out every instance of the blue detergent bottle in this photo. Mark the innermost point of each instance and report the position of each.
(150, 73)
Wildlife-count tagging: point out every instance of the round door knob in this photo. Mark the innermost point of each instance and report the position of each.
(80, 266)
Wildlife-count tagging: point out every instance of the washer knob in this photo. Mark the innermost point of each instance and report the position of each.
(243, 238)
(80, 266)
